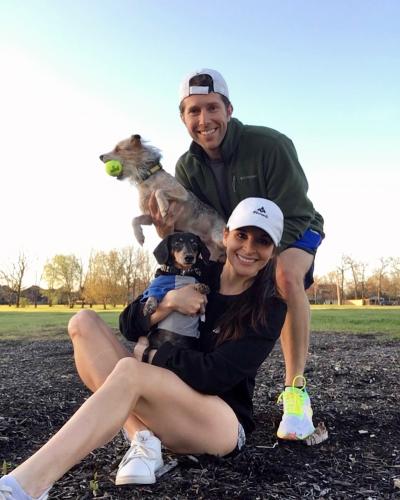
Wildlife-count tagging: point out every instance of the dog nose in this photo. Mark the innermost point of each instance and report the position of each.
(101, 157)
(189, 258)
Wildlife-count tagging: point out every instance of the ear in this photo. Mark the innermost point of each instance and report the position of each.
(225, 237)
(203, 251)
(135, 140)
(229, 111)
(161, 252)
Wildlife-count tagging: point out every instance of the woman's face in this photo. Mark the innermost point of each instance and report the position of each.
(248, 249)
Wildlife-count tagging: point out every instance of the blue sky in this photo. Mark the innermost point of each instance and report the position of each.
(79, 76)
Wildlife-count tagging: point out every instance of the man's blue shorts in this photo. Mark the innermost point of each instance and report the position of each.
(309, 242)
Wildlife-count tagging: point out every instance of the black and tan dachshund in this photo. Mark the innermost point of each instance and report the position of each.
(183, 258)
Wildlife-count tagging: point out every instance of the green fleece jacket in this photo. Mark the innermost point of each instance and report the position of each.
(259, 161)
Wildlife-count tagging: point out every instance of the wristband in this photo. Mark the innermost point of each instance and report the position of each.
(146, 352)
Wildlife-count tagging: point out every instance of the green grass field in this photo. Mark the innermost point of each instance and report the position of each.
(45, 322)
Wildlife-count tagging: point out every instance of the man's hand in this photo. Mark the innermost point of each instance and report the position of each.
(164, 225)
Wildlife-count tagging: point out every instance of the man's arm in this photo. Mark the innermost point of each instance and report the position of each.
(287, 187)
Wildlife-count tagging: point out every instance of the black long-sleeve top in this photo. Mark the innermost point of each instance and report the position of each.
(227, 370)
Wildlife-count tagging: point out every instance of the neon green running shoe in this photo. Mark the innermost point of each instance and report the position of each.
(296, 421)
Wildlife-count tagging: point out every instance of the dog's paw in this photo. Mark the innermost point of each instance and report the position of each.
(140, 238)
(139, 235)
(202, 288)
(150, 306)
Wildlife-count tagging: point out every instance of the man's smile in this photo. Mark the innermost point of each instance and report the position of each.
(207, 132)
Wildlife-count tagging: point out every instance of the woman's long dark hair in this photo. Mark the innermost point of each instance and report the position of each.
(250, 309)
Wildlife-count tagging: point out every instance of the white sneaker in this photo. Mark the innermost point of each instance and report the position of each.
(296, 421)
(10, 489)
(141, 461)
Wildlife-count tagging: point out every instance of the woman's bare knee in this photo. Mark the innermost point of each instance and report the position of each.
(80, 324)
(126, 371)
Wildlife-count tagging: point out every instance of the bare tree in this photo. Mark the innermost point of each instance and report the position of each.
(14, 277)
(380, 273)
(358, 270)
(129, 270)
(353, 266)
(340, 280)
(395, 279)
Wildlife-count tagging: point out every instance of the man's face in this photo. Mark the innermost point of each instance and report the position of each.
(206, 118)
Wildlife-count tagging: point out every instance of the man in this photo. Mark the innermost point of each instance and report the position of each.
(227, 162)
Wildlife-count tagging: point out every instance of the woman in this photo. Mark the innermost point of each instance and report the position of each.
(191, 401)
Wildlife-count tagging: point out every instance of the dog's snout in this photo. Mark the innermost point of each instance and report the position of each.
(189, 258)
(102, 157)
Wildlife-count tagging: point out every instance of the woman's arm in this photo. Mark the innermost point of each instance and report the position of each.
(186, 300)
(232, 361)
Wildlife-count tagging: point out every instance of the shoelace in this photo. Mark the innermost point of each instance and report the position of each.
(293, 400)
(5, 492)
(137, 450)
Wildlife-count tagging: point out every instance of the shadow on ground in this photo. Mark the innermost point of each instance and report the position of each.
(354, 386)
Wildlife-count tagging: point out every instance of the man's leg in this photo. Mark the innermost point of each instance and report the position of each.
(292, 266)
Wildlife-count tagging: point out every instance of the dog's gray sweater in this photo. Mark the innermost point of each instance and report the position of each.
(175, 322)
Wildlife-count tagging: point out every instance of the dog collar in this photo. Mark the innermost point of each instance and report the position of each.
(180, 272)
(152, 170)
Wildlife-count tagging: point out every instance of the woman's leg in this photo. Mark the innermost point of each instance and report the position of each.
(185, 420)
(96, 351)
(96, 348)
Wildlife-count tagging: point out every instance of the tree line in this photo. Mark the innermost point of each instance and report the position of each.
(353, 280)
(113, 278)
(117, 276)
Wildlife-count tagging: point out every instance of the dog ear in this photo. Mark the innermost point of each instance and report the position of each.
(161, 252)
(135, 140)
(203, 250)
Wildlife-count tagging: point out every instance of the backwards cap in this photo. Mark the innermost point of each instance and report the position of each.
(218, 84)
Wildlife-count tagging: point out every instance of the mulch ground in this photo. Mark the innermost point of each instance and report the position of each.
(354, 386)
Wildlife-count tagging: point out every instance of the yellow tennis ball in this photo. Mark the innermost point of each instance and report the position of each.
(113, 167)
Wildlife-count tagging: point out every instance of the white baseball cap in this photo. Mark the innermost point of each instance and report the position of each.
(218, 84)
(261, 213)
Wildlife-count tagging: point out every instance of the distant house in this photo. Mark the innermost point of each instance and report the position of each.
(34, 295)
(7, 296)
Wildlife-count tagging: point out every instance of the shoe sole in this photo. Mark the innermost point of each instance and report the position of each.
(121, 481)
(292, 436)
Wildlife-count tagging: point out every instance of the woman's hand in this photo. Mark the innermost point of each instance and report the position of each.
(140, 347)
(164, 225)
(186, 300)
